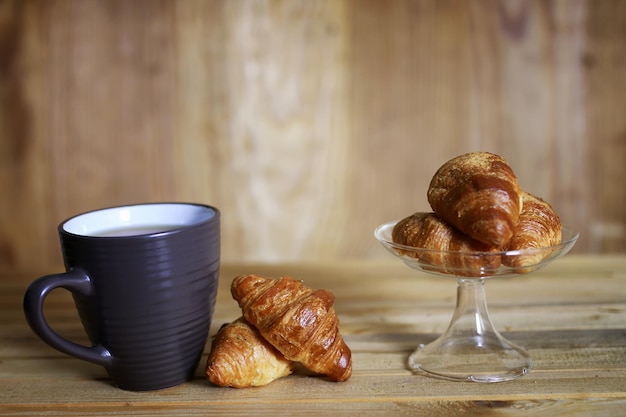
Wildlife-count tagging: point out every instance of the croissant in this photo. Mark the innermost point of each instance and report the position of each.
(539, 227)
(241, 358)
(299, 322)
(442, 244)
(478, 194)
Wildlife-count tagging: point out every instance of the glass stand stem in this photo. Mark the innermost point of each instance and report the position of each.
(471, 349)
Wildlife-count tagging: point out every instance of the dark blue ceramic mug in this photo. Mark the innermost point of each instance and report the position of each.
(144, 280)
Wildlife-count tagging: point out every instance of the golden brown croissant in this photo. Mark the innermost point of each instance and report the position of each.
(241, 358)
(297, 321)
(427, 231)
(538, 227)
(478, 194)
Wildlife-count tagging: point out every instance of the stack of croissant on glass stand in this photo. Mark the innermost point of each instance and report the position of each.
(283, 322)
(479, 208)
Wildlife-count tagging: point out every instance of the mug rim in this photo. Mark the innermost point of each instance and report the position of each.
(204, 214)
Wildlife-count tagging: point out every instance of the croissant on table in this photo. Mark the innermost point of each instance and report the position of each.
(440, 245)
(241, 358)
(299, 322)
(538, 227)
(478, 194)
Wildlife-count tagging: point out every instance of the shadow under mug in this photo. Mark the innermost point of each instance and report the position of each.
(144, 280)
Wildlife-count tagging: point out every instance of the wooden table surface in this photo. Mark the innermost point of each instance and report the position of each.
(571, 317)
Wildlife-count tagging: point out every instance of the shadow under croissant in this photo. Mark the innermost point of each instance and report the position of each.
(301, 370)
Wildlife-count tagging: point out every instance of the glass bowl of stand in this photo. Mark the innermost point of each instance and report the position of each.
(471, 349)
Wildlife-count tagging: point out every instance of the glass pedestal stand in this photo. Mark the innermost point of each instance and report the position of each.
(471, 349)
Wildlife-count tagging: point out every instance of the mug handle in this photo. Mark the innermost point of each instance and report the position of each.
(74, 280)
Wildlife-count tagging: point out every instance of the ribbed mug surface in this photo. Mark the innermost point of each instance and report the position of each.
(151, 299)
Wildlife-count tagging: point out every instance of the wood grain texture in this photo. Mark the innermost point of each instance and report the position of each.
(306, 123)
(570, 317)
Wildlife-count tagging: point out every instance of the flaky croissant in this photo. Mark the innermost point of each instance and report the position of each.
(442, 244)
(539, 227)
(297, 321)
(241, 358)
(478, 194)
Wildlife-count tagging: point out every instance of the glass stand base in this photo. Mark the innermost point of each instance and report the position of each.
(471, 358)
(471, 349)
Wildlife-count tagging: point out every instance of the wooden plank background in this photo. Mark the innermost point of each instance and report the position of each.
(308, 123)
